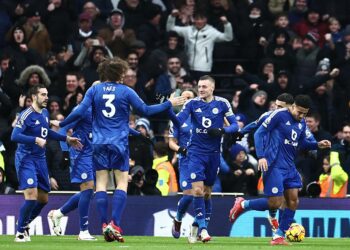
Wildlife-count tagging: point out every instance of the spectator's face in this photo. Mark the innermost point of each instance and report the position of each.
(172, 42)
(116, 20)
(130, 78)
(272, 106)
(85, 25)
(281, 39)
(18, 36)
(326, 166)
(132, 3)
(71, 83)
(34, 79)
(200, 22)
(205, 89)
(282, 22)
(312, 123)
(5, 63)
(132, 123)
(313, 17)
(268, 68)
(321, 90)
(142, 130)
(300, 4)
(133, 61)
(98, 56)
(240, 157)
(282, 81)
(28, 102)
(52, 61)
(35, 20)
(334, 26)
(346, 133)
(308, 44)
(255, 13)
(54, 107)
(188, 95)
(260, 100)
(298, 112)
(90, 8)
(174, 65)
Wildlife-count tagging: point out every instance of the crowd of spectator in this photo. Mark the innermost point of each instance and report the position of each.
(255, 49)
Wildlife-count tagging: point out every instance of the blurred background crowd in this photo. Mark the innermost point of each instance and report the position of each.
(255, 50)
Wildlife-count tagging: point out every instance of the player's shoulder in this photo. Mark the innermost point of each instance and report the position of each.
(28, 112)
(279, 112)
(221, 99)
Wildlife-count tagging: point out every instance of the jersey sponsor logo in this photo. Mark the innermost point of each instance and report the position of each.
(30, 181)
(198, 110)
(201, 131)
(215, 111)
(206, 122)
(293, 143)
(274, 190)
(288, 123)
(37, 122)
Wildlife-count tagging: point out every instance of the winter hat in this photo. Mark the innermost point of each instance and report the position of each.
(324, 65)
(235, 150)
(152, 10)
(137, 44)
(116, 11)
(259, 93)
(313, 36)
(145, 123)
(241, 118)
(282, 72)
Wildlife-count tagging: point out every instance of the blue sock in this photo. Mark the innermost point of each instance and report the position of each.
(199, 211)
(272, 213)
(182, 206)
(261, 204)
(119, 202)
(24, 214)
(84, 204)
(286, 220)
(71, 204)
(280, 212)
(35, 212)
(102, 205)
(208, 207)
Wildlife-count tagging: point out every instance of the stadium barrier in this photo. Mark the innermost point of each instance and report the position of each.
(148, 215)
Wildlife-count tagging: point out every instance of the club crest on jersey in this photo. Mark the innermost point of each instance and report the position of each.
(215, 111)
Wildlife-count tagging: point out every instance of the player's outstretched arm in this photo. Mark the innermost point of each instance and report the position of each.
(74, 115)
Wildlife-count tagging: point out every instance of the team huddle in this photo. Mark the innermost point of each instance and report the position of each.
(99, 144)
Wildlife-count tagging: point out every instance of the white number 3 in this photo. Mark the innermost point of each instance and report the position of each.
(110, 98)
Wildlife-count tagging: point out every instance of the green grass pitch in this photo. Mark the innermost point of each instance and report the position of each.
(154, 243)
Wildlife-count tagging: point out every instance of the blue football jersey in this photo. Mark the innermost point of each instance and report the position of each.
(183, 134)
(110, 112)
(256, 124)
(281, 135)
(32, 124)
(204, 116)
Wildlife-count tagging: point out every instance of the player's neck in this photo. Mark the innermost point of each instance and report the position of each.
(208, 99)
(36, 108)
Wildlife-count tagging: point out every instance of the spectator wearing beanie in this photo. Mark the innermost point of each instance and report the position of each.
(306, 60)
(150, 31)
(242, 177)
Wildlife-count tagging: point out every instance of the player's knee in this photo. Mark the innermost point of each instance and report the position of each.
(293, 204)
(207, 195)
(275, 202)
